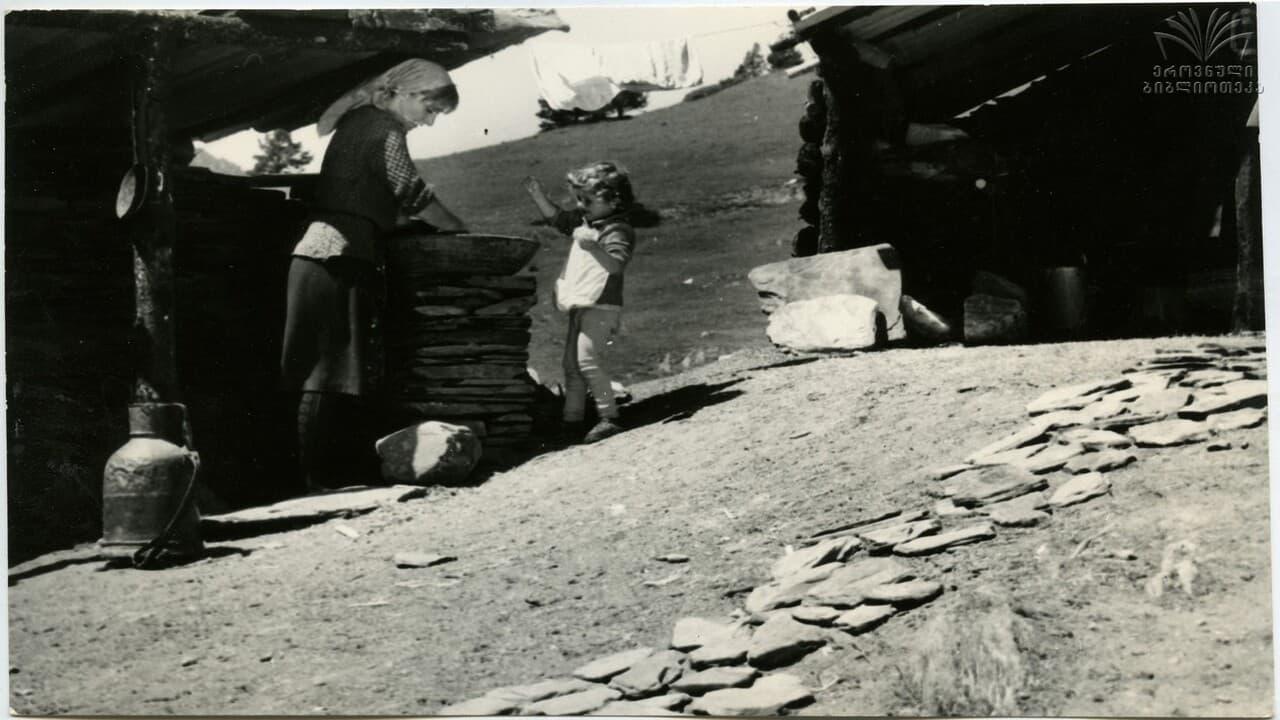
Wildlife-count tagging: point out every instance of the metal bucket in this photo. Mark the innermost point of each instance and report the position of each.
(1067, 300)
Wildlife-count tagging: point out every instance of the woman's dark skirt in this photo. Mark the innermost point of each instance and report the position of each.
(330, 332)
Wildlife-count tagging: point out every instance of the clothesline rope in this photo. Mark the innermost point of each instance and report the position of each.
(737, 29)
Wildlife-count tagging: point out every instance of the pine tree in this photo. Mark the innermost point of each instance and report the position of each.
(280, 154)
(753, 64)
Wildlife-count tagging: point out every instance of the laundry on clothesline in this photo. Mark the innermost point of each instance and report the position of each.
(589, 77)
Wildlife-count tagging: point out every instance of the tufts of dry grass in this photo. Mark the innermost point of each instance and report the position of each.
(974, 659)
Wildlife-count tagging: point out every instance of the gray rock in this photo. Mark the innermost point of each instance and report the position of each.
(1232, 396)
(1074, 397)
(923, 323)
(1218, 446)
(1031, 435)
(815, 614)
(1015, 515)
(770, 695)
(827, 551)
(782, 640)
(691, 633)
(420, 560)
(1059, 419)
(903, 593)
(883, 540)
(716, 679)
(525, 694)
(946, 471)
(1170, 432)
(936, 543)
(579, 703)
(1160, 402)
(1210, 378)
(1079, 489)
(945, 508)
(1017, 456)
(633, 708)
(650, 676)
(831, 323)
(865, 617)
(309, 509)
(429, 453)
(844, 587)
(726, 652)
(1094, 439)
(1050, 458)
(869, 271)
(991, 319)
(785, 593)
(1102, 461)
(993, 484)
(487, 706)
(670, 701)
(601, 669)
(1237, 419)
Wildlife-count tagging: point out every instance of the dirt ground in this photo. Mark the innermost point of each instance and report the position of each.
(729, 463)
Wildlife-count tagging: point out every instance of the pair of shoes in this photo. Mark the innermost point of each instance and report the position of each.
(603, 429)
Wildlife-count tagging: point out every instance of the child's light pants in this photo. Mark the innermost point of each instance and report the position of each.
(589, 332)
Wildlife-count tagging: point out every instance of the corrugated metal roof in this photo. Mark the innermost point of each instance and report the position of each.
(233, 70)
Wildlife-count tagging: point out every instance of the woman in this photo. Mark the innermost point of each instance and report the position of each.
(367, 184)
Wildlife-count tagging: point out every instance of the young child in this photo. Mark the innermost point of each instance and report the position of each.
(590, 284)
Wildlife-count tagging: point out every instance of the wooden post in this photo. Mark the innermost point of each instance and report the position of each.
(156, 379)
(846, 145)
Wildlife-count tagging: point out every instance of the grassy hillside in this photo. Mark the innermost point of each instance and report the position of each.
(715, 170)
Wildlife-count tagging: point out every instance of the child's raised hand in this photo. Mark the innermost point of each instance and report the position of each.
(533, 186)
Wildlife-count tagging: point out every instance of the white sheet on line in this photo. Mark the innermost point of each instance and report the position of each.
(587, 77)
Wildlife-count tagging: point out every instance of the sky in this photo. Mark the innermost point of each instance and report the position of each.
(498, 96)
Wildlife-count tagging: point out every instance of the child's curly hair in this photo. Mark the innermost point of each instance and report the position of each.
(604, 179)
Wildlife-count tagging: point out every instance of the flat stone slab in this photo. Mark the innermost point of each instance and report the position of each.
(420, 559)
(1016, 515)
(827, 551)
(725, 652)
(1160, 402)
(884, 539)
(815, 614)
(1237, 419)
(303, 511)
(1030, 435)
(768, 696)
(1079, 489)
(480, 706)
(579, 703)
(1232, 396)
(634, 708)
(1102, 461)
(600, 670)
(780, 594)
(1051, 457)
(1017, 456)
(946, 471)
(944, 508)
(691, 633)
(904, 593)
(993, 484)
(1211, 378)
(1167, 433)
(865, 617)
(1094, 439)
(844, 587)
(719, 678)
(650, 676)
(782, 640)
(525, 694)
(937, 543)
(1074, 397)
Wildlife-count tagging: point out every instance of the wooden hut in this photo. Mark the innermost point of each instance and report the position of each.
(182, 302)
(1022, 139)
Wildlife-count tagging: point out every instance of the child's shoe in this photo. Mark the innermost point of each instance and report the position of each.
(603, 429)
